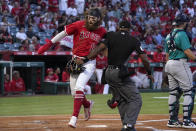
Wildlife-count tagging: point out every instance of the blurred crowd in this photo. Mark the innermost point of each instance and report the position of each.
(25, 24)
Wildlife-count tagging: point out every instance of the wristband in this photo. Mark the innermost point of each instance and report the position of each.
(85, 59)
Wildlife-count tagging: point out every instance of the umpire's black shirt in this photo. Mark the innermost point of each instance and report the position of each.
(120, 46)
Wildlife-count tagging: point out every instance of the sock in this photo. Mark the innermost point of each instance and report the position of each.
(86, 103)
(78, 101)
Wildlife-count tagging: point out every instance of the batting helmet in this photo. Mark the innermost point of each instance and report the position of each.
(180, 19)
(95, 12)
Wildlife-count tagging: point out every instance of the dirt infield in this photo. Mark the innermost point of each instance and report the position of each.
(96, 123)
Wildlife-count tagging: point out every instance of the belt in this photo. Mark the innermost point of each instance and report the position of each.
(181, 59)
(113, 67)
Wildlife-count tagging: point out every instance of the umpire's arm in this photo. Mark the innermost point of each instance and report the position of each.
(96, 51)
(92, 54)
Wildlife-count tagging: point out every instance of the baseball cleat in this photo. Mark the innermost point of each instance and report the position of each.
(87, 111)
(72, 122)
(188, 124)
(174, 123)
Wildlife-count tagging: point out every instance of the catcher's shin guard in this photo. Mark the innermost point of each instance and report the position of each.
(173, 101)
(188, 104)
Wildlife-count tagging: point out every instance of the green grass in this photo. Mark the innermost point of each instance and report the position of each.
(63, 104)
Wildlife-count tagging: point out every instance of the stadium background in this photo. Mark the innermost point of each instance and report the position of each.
(25, 24)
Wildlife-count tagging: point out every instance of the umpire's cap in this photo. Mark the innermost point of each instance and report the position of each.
(180, 19)
(125, 24)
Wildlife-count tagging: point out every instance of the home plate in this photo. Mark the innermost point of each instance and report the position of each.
(97, 126)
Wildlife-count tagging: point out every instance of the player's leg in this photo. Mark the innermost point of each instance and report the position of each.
(99, 73)
(87, 89)
(81, 82)
(79, 97)
(155, 75)
(99, 86)
(106, 89)
(73, 79)
(132, 103)
(173, 101)
(160, 79)
(185, 81)
(146, 82)
(137, 81)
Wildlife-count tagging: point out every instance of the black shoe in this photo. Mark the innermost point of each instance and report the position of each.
(189, 124)
(174, 123)
(127, 128)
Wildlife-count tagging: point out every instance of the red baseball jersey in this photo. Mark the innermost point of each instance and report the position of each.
(53, 78)
(83, 40)
(158, 57)
(101, 62)
(65, 76)
(7, 86)
(18, 85)
(53, 3)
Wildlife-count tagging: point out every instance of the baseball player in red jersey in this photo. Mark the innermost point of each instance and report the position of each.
(142, 75)
(101, 63)
(86, 35)
(158, 71)
(133, 76)
(7, 84)
(17, 83)
(51, 77)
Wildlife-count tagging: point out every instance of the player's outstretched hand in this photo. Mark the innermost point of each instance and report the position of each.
(45, 47)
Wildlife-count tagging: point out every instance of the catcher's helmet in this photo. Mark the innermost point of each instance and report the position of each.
(180, 19)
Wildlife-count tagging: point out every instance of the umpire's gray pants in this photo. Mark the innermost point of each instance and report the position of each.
(127, 93)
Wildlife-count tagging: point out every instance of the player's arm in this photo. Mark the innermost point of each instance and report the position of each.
(145, 62)
(101, 46)
(190, 54)
(92, 54)
(166, 57)
(49, 43)
(144, 59)
(96, 51)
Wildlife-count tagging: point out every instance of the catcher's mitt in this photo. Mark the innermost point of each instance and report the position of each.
(74, 68)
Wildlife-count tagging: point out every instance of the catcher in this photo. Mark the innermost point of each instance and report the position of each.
(86, 34)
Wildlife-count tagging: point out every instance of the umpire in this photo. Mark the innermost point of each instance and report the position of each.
(120, 46)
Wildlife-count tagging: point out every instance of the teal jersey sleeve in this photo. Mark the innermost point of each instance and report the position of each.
(183, 40)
